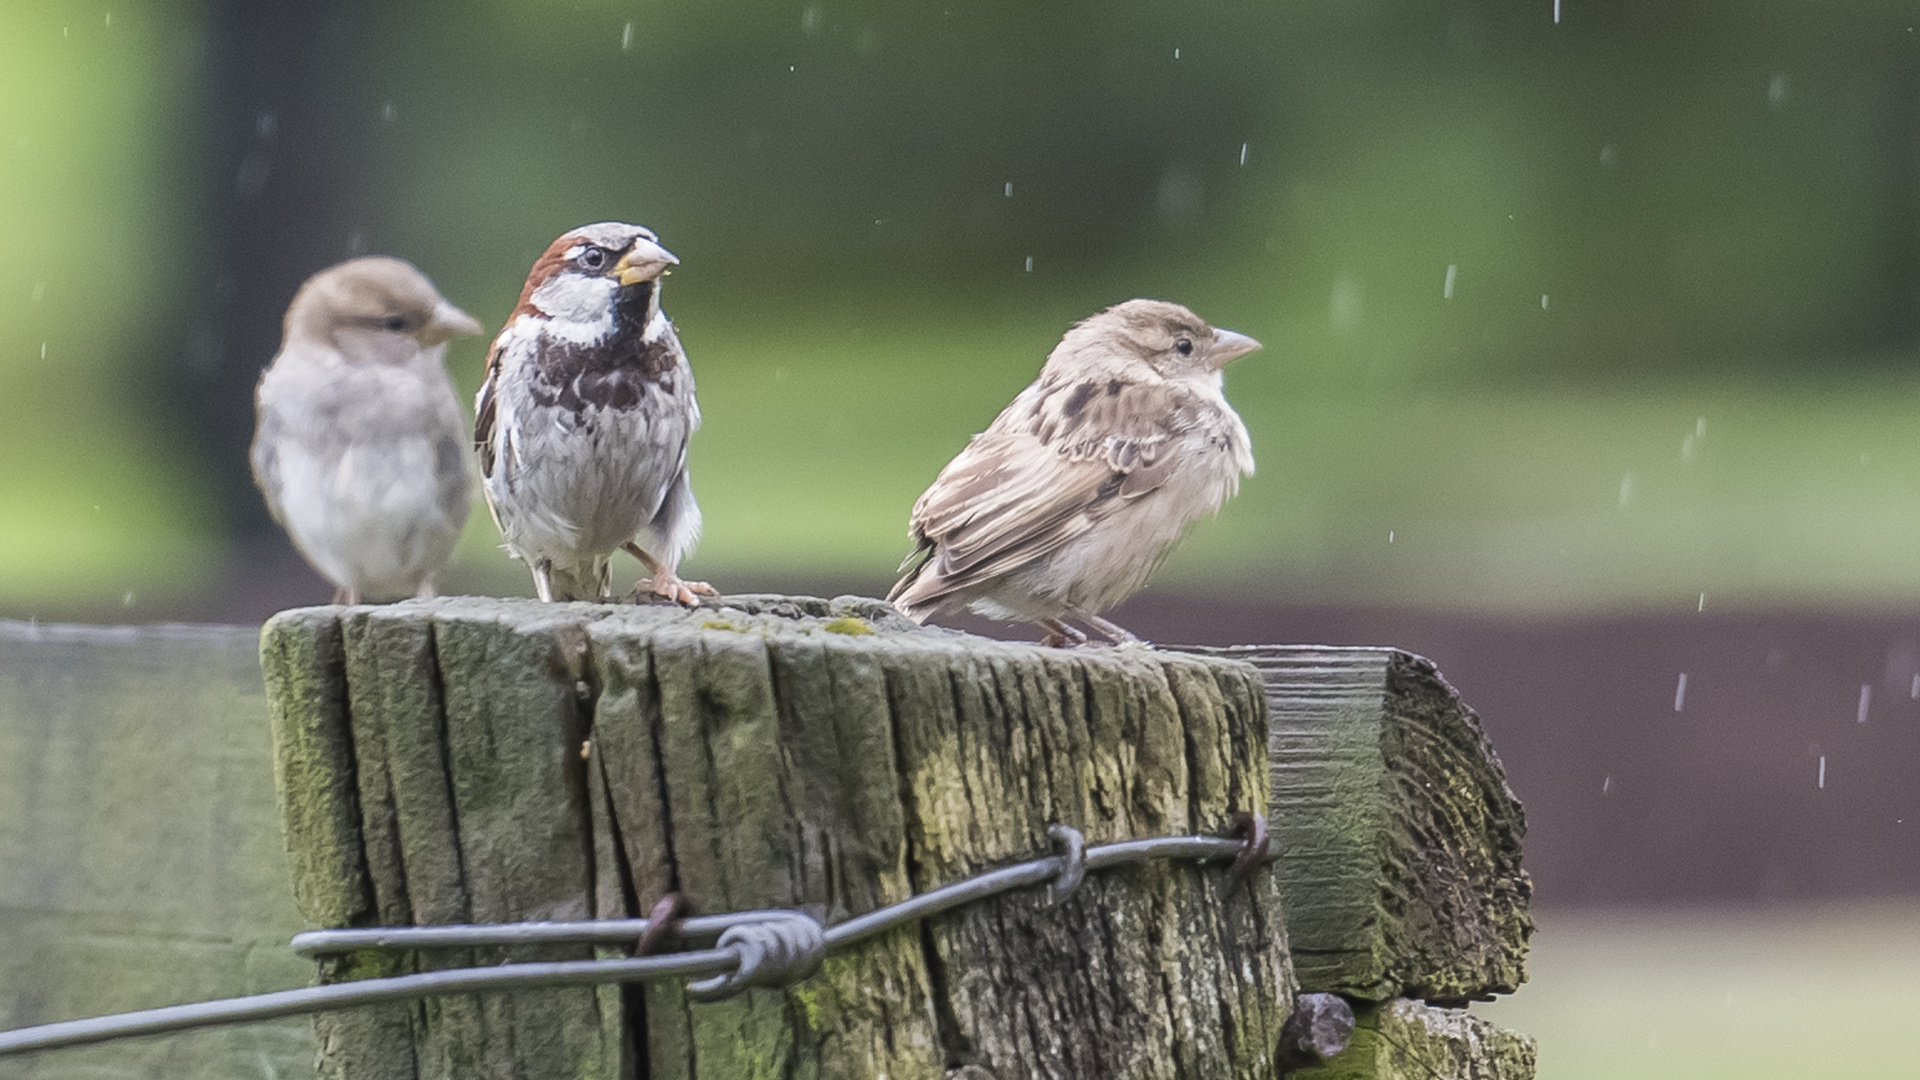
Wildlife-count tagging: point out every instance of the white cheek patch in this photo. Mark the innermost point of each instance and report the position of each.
(579, 306)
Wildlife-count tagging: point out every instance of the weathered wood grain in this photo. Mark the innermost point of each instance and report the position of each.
(1402, 1039)
(514, 760)
(1399, 838)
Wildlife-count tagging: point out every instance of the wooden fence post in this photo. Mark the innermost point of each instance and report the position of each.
(488, 760)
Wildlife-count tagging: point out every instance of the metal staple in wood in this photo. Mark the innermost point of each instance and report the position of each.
(766, 948)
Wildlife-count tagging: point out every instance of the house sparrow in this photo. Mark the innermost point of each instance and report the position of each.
(582, 424)
(1065, 504)
(361, 446)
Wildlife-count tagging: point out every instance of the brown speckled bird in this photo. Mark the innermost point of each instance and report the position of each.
(361, 446)
(1069, 500)
(583, 422)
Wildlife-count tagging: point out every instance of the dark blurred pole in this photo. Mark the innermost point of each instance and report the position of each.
(271, 175)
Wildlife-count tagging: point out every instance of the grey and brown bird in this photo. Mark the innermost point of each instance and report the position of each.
(361, 444)
(1076, 492)
(584, 420)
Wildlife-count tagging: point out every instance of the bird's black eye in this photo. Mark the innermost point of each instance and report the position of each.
(593, 258)
(395, 323)
(1183, 346)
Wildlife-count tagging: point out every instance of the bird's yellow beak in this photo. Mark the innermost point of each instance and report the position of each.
(1229, 346)
(645, 261)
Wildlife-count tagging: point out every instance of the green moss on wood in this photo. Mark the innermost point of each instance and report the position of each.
(1401, 1039)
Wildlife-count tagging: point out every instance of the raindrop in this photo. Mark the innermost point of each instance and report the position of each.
(1609, 154)
(109, 18)
(1180, 194)
(1343, 308)
(1176, 54)
(1823, 773)
(43, 350)
(127, 599)
(1389, 536)
(626, 38)
(791, 67)
(1556, 12)
(1866, 695)
(1703, 603)
(1543, 301)
(386, 112)
(1029, 264)
(1446, 289)
(1779, 88)
(1009, 189)
(1243, 153)
(1680, 693)
(1606, 786)
(1915, 692)
(1700, 427)
(1626, 489)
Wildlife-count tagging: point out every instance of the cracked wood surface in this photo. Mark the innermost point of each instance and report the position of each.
(1399, 837)
(497, 760)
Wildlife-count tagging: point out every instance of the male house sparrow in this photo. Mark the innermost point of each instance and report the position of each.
(582, 424)
(361, 446)
(1065, 504)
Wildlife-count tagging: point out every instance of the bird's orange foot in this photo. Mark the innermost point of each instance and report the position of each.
(671, 587)
(1061, 636)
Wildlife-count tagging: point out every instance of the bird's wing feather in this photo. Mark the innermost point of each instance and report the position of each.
(485, 409)
(1059, 459)
(265, 458)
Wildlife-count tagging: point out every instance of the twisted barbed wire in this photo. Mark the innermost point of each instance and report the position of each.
(766, 948)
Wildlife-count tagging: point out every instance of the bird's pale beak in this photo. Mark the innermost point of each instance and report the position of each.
(448, 322)
(1229, 346)
(645, 261)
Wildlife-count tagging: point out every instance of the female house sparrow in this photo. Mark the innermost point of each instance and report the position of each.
(360, 446)
(582, 424)
(1065, 504)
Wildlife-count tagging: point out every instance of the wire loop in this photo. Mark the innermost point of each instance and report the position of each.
(775, 953)
(1073, 861)
(1250, 825)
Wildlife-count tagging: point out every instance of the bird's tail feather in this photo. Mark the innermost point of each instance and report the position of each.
(585, 581)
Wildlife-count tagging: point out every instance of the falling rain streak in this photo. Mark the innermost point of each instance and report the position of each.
(1243, 153)
(1029, 264)
(1822, 781)
(1680, 694)
(1866, 696)
(1446, 290)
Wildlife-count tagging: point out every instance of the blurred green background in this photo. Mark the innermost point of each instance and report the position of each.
(1599, 315)
(1581, 325)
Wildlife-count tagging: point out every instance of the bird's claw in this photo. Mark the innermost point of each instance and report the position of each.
(669, 587)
